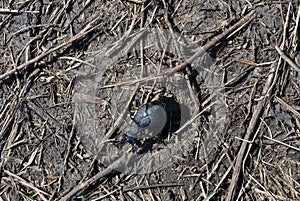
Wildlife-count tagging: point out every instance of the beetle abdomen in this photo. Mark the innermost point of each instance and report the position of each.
(151, 117)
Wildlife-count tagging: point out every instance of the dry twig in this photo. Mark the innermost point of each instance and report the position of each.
(287, 59)
(202, 50)
(232, 190)
(90, 27)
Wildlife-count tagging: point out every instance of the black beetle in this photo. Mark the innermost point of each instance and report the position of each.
(153, 121)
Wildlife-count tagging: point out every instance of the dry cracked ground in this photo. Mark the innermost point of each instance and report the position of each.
(74, 73)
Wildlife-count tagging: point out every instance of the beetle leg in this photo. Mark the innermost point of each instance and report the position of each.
(122, 141)
(132, 141)
(129, 139)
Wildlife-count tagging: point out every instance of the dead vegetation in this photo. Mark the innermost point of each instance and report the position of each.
(70, 70)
